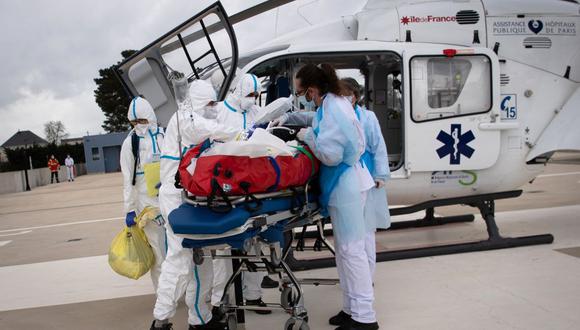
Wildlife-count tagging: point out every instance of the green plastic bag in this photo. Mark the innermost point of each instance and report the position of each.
(130, 254)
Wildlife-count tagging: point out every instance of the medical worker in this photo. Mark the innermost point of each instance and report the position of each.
(376, 160)
(338, 141)
(69, 162)
(147, 139)
(186, 129)
(240, 110)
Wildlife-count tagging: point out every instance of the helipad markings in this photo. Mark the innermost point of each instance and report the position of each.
(59, 225)
(65, 282)
(4, 243)
(20, 233)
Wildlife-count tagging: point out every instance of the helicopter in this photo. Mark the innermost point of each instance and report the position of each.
(473, 96)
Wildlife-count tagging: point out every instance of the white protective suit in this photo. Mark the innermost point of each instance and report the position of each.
(241, 112)
(179, 274)
(338, 141)
(135, 196)
(70, 172)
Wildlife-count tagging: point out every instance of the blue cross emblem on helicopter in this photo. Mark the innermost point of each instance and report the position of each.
(455, 144)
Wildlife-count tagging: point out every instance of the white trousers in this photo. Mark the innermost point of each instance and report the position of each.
(156, 236)
(180, 275)
(251, 281)
(355, 262)
(70, 175)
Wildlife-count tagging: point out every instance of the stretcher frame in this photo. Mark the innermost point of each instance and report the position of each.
(259, 255)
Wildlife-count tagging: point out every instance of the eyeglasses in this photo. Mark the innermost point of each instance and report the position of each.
(299, 93)
(141, 121)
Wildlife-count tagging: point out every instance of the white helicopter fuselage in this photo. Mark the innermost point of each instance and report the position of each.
(473, 96)
(511, 99)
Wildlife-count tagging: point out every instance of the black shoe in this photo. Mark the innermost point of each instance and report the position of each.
(213, 324)
(269, 283)
(341, 318)
(260, 303)
(216, 314)
(354, 325)
(166, 326)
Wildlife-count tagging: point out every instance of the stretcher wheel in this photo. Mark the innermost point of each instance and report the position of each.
(232, 321)
(287, 298)
(198, 256)
(296, 324)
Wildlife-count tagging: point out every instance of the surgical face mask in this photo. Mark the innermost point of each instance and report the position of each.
(307, 104)
(248, 103)
(141, 129)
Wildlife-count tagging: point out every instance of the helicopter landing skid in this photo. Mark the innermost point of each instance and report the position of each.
(486, 205)
(429, 220)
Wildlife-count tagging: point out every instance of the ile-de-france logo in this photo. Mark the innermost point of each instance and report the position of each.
(455, 144)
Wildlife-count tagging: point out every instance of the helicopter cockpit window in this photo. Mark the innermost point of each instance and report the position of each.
(445, 87)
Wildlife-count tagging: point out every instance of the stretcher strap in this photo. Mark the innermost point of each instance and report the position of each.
(309, 155)
(278, 173)
(216, 189)
(252, 204)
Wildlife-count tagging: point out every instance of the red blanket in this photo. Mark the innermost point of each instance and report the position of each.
(219, 175)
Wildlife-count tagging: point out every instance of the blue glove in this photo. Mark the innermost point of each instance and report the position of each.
(251, 130)
(130, 219)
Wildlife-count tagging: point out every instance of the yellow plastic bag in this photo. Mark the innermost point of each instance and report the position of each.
(130, 254)
(149, 214)
(152, 178)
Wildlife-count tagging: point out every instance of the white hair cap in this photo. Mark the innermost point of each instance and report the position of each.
(201, 93)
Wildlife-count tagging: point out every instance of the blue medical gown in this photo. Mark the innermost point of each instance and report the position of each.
(376, 159)
(337, 140)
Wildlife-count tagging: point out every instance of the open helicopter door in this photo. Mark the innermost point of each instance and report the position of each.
(197, 47)
(453, 96)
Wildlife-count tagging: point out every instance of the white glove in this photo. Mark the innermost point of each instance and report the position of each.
(175, 75)
(302, 134)
(379, 183)
(280, 120)
(210, 112)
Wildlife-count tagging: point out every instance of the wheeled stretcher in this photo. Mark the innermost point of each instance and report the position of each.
(258, 230)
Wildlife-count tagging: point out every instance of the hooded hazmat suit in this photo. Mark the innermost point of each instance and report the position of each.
(179, 274)
(240, 111)
(136, 198)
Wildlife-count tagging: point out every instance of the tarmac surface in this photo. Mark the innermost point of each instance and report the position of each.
(54, 272)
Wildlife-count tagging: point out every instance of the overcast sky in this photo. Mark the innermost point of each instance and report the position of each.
(52, 51)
